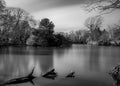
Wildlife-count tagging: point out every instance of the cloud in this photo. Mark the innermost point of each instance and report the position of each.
(67, 15)
(37, 5)
(65, 18)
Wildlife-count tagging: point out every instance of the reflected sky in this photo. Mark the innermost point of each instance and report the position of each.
(18, 61)
(94, 53)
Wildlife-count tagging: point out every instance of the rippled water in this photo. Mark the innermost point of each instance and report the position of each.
(90, 63)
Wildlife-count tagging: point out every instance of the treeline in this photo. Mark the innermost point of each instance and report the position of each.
(17, 27)
(95, 35)
(44, 35)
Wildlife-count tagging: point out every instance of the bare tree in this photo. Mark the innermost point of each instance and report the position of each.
(94, 24)
(18, 13)
(114, 32)
(103, 5)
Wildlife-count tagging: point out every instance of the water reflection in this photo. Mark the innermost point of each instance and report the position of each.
(86, 61)
(19, 61)
(94, 55)
(73, 59)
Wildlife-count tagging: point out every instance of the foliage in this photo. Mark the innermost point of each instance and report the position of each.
(14, 26)
(48, 25)
(21, 33)
(45, 36)
(61, 40)
(16, 29)
(2, 6)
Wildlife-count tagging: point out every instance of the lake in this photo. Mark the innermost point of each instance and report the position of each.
(90, 63)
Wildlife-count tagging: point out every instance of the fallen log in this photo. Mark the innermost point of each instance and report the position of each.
(71, 75)
(25, 79)
(50, 74)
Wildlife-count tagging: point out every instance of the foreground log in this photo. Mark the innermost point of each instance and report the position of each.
(50, 75)
(71, 75)
(28, 78)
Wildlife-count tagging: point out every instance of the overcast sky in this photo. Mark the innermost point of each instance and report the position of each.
(67, 15)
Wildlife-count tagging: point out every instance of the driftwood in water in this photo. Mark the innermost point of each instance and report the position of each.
(28, 78)
(50, 75)
(71, 75)
(115, 74)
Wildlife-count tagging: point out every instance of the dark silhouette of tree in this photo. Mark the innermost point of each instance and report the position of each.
(44, 34)
(60, 40)
(47, 24)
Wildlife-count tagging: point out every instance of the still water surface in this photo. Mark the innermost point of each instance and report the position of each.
(90, 63)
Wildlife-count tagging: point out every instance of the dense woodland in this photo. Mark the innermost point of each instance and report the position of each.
(18, 27)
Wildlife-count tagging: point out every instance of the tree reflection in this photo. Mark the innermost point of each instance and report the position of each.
(12, 65)
(43, 58)
(17, 61)
(94, 61)
(60, 52)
